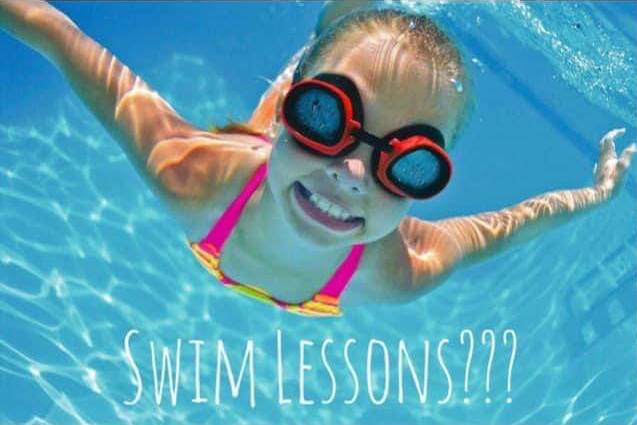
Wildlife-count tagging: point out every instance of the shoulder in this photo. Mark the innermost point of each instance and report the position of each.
(383, 275)
(399, 267)
(200, 173)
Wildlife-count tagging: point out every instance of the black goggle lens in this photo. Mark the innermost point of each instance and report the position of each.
(420, 173)
(417, 170)
(317, 114)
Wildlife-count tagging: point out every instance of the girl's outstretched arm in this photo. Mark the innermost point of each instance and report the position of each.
(435, 248)
(123, 102)
(185, 164)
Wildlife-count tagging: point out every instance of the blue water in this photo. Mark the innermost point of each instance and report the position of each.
(87, 253)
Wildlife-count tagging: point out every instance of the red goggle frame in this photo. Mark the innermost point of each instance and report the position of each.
(387, 150)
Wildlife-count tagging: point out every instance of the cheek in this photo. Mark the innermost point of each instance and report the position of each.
(288, 162)
(385, 212)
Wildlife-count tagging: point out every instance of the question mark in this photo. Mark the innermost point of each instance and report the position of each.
(491, 354)
(514, 342)
(468, 364)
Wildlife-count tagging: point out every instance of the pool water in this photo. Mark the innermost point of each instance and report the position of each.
(87, 253)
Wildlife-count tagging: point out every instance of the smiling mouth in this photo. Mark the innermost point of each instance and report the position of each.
(323, 211)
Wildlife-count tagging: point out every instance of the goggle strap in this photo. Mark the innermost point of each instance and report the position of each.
(371, 140)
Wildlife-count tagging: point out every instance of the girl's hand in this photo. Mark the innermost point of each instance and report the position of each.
(609, 171)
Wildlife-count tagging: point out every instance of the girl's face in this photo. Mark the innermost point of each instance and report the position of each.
(396, 91)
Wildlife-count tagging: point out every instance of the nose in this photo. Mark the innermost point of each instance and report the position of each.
(349, 174)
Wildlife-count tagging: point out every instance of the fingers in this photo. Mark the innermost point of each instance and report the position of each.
(625, 157)
(607, 144)
(613, 134)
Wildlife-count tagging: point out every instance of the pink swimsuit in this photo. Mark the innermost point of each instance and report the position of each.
(208, 252)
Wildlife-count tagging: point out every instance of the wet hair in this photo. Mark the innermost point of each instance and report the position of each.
(417, 33)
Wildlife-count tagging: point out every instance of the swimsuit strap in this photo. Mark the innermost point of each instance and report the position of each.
(341, 277)
(223, 227)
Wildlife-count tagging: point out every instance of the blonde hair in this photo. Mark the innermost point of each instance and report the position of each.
(417, 34)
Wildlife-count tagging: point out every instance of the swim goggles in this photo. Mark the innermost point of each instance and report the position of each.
(325, 115)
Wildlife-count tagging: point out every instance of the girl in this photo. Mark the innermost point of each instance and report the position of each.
(305, 206)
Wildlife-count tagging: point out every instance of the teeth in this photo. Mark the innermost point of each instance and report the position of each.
(334, 212)
(329, 208)
(324, 204)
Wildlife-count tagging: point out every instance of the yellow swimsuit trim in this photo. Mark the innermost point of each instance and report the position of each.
(319, 305)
